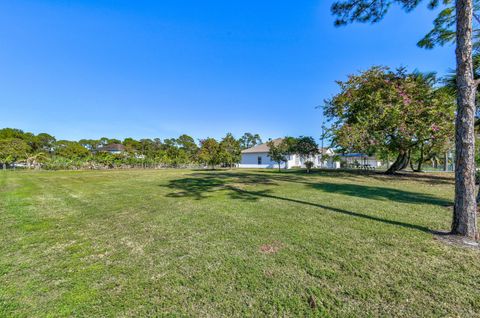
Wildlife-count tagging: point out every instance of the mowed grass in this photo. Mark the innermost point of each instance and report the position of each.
(230, 243)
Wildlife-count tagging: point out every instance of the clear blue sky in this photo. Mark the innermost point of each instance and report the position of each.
(123, 68)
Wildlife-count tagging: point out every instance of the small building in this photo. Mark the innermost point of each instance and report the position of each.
(257, 157)
(114, 149)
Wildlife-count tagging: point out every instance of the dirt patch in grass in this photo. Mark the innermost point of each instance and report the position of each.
(271, 248)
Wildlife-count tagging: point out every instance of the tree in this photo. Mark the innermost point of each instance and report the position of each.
(45, 142)
(465, 209)
(249, 140)
(380, 111)
(278, 151)
(11, 150)
(187, 144)
(306, 147)
(70, 149)
(230, 152)
(209, 152)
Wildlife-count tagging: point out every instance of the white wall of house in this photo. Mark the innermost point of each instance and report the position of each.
(262, 160)
(258, 160)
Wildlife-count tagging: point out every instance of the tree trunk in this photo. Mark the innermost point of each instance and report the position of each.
(4, 166)
(400, 163)
(465, 208)
(279, 168)
(420, 160)
(478, 196)
(445, 165)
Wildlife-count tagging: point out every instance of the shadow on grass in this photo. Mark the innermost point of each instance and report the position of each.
(272, 178)
(233, 184)
(380, 193)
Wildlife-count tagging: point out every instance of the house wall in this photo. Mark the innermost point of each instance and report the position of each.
(250, 160)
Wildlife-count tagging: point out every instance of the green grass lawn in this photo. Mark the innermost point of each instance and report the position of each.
(230, 243)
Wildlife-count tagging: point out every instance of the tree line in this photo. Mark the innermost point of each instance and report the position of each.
(19, 148)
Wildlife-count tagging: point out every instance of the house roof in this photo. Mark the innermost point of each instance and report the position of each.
(262, 148)
(112, 147)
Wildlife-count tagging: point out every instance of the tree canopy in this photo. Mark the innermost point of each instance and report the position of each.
(383, 110)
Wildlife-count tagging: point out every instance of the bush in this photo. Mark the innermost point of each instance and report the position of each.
(309, 165)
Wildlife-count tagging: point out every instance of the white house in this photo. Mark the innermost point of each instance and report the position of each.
(257, 157)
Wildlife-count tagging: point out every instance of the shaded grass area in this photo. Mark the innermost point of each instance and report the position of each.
(230, 243)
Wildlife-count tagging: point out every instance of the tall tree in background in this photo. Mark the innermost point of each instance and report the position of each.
(209, 152)
(230, 150)
(249, 140)
(187, 143)
(465, 207)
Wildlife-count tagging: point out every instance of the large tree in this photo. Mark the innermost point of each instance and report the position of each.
(380, 111)
(465, 207)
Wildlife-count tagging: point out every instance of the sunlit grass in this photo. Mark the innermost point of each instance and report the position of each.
(230, 243)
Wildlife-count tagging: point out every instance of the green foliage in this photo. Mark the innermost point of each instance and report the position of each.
(70, 149)
(13, 149)
(309, 165)
(279, 150)
(209, 152)
(230, 244)
(249, 140)
(384, 111)
(306, 147)
(230, 151)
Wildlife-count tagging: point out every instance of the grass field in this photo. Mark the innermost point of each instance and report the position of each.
(230, 243)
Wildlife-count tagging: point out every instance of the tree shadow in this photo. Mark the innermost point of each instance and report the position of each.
(350, 189)
(199, 186)
(380, 193)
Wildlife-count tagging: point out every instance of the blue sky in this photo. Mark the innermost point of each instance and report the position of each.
(123, 68)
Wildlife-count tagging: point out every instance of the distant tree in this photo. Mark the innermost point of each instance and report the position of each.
(279, 151)
(249, 140)
(209, 152)
(188, 145)
(230, 150)
(45, 142)
(12, 150)
(306, 147)
(70, 150)
(9, 133)
(132, 145)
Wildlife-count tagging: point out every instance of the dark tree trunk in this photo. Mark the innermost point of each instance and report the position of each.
(420, 160)
(465, 208)
(478, 196)
(400, 163)
(279, 167)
